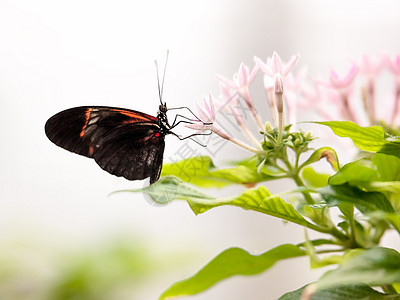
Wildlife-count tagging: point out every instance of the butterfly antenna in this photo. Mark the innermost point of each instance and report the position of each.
(161, 87)
(165, 68)
(158, 83)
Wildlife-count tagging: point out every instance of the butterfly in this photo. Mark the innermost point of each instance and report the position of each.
(123, 142)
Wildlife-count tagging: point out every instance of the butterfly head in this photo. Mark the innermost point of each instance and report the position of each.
(163, 108)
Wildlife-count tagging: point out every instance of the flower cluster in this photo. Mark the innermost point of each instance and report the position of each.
(331, 99)
(276, 77)
(336, 98)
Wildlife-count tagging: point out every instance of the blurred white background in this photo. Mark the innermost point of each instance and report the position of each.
(60, 54)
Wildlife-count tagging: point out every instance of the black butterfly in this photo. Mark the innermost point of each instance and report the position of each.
(123, 142)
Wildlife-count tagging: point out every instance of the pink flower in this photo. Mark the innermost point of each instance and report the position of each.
(394, 65)
(275, 65)
(207, 118)
(326, 103)
(230, 102)
(275, 69)
(338, 83)
(372, 66)
(241, 82)
(293, 84)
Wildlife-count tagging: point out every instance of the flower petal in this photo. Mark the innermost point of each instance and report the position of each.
(276, 63)
(253, 73)
(243, 75)
(290, 64)
(263, 66)
(227, 81)
(212, 106)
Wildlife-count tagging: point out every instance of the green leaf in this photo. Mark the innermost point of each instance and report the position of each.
(392, 218)
(319, 215)
(355, 173)
(391, 148)
(261, 200)
(388, 167)
(319, 242)
(365, 201)
(201, 171)
(375, 266)
(195, 170)
(370, 139)
(361, 292)
(318, 154)
(313, 178)
(231, 262)
(170, 188)
(384, 186)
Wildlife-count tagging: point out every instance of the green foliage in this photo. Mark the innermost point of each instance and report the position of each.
(345, 292)
(388, 167)
(314, 179)
(371, 139)
(326, 152)
(355, 173)
(231, 262)
(365, 194)
(201, 171)
(260, 200)
(375, 266)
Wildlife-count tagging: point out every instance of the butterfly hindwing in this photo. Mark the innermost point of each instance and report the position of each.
(133, 151)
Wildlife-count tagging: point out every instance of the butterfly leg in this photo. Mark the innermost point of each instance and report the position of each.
(191, 137)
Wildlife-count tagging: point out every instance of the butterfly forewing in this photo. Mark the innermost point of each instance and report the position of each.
(123, 142)
(79, 129)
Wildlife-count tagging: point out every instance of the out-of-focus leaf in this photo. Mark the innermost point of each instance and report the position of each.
(170, 188)
(334, 195)
(355, 173)
(231, 262)
(327, 152)
(391, 148)
(384, 186)
(201, 171)
(318, 215)
(388, 167)
(346, 292)
(392, 218)
(370, 139)
(313, 178)
(375, 266)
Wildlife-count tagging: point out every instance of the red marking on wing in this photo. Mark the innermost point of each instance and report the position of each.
(91, 150)
(135, 115)
(87, 116)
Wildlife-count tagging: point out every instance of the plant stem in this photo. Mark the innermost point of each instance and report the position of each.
(279, 106)
(250, 135)
(329, 251)
(247, 147)
(272, 105)
(300, 183)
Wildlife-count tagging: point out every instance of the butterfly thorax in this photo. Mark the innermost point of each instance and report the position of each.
(163, 119)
